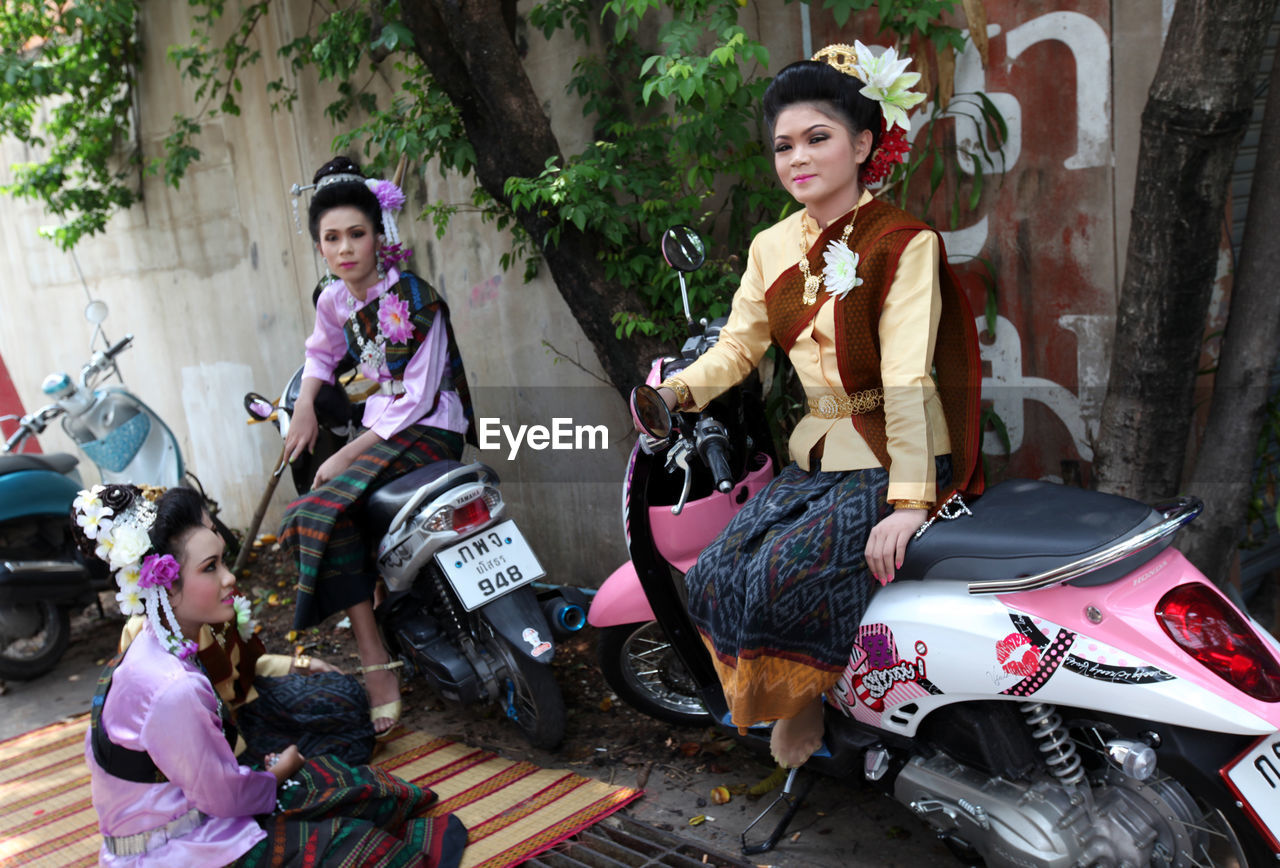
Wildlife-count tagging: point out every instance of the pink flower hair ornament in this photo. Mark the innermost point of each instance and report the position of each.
(158, 571)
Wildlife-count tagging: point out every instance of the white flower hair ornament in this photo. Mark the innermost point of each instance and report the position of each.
(886, 81)
(119, 518)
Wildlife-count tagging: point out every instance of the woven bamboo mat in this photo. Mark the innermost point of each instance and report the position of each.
(512, 810)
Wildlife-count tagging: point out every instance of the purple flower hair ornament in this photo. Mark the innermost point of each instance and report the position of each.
(188, 650)
(391, 255)
(390, 197)
(158, 571)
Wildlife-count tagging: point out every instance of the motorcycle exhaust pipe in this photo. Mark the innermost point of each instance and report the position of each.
(565, 618)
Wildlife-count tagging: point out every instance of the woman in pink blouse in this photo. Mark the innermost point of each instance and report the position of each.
(166, 785)
(397, 329)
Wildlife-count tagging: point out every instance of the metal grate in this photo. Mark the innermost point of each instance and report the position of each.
(621, 841)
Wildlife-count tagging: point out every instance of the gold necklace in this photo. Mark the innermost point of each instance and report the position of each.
(813, 282)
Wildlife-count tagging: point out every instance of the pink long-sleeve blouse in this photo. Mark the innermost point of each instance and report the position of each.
(385, 414)
(166, 707)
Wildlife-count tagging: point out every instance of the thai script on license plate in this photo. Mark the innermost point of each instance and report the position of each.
(494, 562)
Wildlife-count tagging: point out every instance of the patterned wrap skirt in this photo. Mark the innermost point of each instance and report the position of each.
(322, 527)
(340, 816)
(779, 594)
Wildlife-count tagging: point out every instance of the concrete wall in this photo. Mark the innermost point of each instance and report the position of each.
(215, 283)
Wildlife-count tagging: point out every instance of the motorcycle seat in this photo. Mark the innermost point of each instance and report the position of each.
(388, 499)
(1022, 527)
(58, 462)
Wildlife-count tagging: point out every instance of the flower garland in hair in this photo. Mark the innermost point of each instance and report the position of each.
(886, 81)
(391, 199)
(115, 519)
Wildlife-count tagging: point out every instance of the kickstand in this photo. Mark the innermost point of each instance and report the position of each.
(790, 798)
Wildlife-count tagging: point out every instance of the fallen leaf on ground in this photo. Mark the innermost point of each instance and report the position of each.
(720, 795)
(776, 778)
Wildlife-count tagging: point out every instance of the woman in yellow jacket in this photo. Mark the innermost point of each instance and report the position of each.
(859, 296)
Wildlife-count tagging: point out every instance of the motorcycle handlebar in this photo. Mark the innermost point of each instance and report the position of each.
(718, 461)
(116, 348)
(713, 443)
(100, 359)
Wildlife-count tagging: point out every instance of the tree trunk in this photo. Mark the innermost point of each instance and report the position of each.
(469, 49)
(1196, 113)
(1224, 467)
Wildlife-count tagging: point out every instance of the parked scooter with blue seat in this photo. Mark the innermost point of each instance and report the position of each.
(42, 576)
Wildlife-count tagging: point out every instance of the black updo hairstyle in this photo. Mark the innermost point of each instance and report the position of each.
(811, 81)
(342, 193)
(178, 512)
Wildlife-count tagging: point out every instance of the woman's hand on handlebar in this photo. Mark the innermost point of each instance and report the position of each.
(887, 544)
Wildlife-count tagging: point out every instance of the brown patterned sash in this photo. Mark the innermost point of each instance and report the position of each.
(879, 235)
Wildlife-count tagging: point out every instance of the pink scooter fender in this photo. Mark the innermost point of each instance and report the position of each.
(620, 600)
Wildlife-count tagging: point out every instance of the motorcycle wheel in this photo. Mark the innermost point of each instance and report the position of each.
(532, 697)
(640, 666)
(33, 638)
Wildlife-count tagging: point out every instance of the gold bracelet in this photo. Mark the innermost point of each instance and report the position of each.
(678, 386)
(911, 504)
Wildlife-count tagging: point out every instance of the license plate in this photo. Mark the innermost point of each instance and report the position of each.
(494, 562)
(1255, 777)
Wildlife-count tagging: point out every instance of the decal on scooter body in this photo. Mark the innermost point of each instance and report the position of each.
(531, 636)
(1127, 661)
(1088, 657)
(877, 677)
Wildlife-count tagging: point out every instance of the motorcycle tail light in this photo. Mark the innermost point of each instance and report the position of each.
(440, 520)
(469, 515)
(492, 499)
(1205, 625)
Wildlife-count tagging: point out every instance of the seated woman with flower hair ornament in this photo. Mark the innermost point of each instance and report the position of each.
(165, 782)
(397, 329)
(779, 595)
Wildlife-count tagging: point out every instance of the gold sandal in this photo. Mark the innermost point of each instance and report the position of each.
(387, 710)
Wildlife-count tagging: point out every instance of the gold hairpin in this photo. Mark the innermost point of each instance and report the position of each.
(842, 57)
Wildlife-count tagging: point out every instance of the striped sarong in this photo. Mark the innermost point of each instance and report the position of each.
(341, 816)
(322, 528)
(779, 594)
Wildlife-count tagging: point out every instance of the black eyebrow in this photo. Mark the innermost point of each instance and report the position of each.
(806, 132)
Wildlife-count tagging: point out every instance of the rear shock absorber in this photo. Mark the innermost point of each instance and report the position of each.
(446, 607)
(1056, 746)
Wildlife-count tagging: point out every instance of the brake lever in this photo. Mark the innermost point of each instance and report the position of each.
(679, 457)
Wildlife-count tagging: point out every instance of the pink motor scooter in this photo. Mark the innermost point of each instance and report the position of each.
(1046, 682)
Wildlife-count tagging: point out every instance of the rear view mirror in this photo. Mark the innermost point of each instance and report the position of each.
(683, 249)
(258, 407)
(651, 412)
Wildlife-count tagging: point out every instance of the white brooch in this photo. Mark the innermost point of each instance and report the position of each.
(841, 271)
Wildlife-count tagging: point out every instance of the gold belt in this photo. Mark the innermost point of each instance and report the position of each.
(839, 406)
